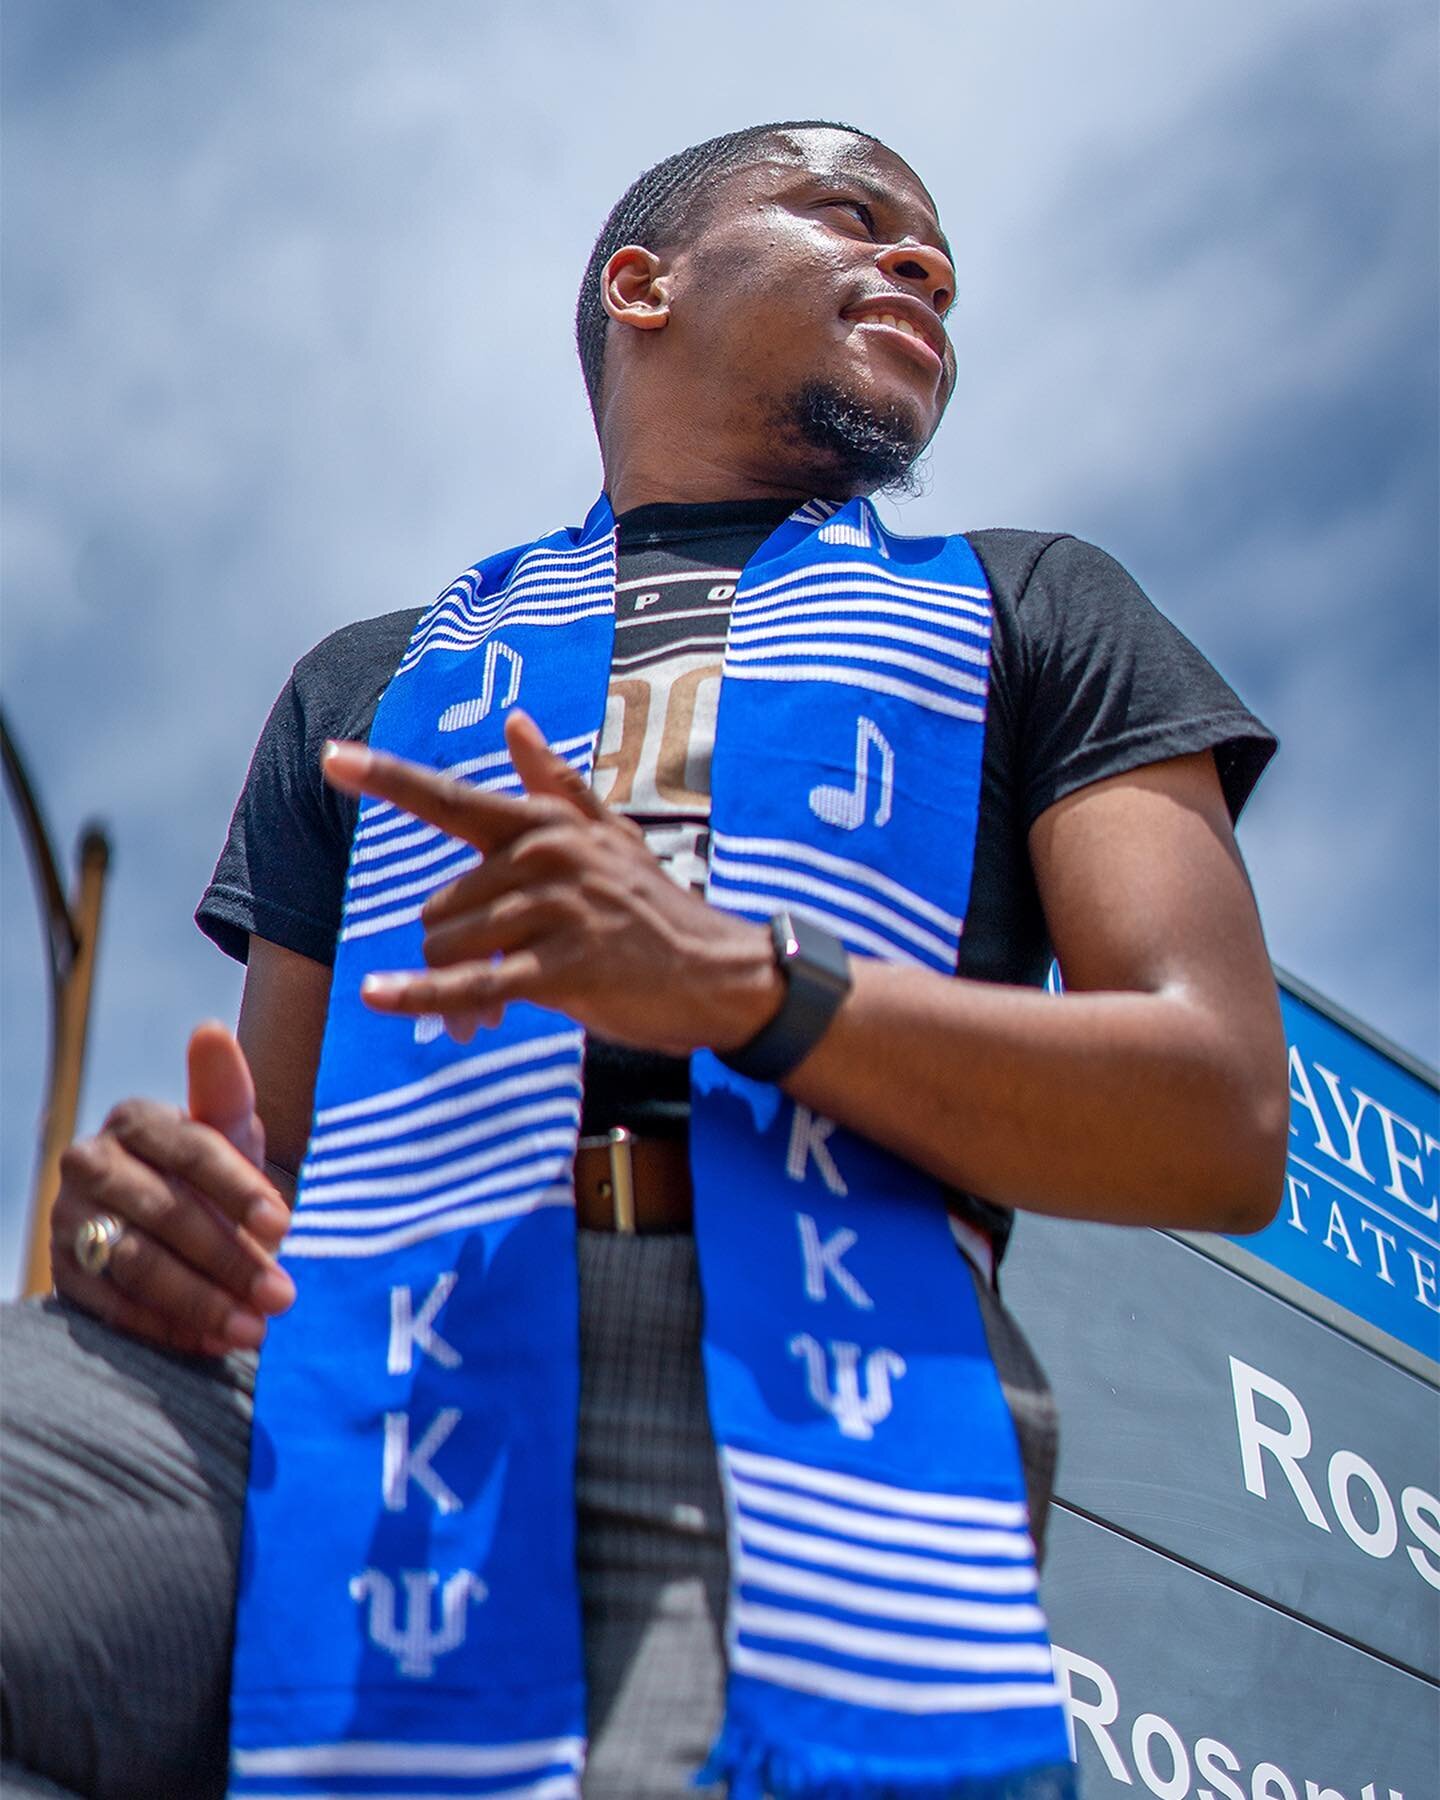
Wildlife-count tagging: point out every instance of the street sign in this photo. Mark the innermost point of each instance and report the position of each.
(1180, 1685)
(1243, 1577)
(1220, 1424)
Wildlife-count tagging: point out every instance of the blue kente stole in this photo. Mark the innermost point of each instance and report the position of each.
(409, 1621)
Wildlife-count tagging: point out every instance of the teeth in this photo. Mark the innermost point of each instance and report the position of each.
(899, 324)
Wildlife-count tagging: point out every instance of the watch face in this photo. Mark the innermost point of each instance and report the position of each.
(818, 952)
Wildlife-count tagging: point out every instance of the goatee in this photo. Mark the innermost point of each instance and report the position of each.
(861, 448)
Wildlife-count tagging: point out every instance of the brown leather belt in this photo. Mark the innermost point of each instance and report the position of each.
(635, 1184)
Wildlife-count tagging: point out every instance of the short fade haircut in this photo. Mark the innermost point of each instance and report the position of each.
(656, 210)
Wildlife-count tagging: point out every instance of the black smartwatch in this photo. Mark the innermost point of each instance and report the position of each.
(817, 978)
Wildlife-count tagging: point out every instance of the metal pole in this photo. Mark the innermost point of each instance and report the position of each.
(67, 1054)
(72, 934)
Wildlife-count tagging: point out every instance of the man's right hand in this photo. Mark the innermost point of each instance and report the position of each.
(194, 1267)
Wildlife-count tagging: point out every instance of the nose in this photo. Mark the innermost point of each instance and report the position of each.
(921, 266)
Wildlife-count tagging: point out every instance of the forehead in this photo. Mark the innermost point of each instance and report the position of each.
(826, 154)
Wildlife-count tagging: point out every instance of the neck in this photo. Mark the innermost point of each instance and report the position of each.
(682, 464)
(630, 486)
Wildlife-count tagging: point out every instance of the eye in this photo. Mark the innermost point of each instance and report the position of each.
(857, 207)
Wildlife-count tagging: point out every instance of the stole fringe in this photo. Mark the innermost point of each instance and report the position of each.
(757, 1771)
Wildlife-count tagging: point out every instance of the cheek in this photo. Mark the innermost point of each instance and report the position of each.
(768, 287)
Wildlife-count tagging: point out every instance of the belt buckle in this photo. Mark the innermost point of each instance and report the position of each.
(622, 1180)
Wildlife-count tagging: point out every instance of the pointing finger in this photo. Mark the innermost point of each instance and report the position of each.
(482, 819)
(542, 771)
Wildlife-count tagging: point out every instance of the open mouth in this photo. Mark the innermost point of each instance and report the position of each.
(910, 324)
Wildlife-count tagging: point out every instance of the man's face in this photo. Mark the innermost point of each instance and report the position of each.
(811, 300)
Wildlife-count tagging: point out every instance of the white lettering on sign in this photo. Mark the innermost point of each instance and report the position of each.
(1166, 1766)
(823, 1258)
(1287, 1444)
(1396, 1155)
(1382, 1260)
(1175, 1784)
(403, 1464)
(1362, 1241)
(1337, 1234)
(1359, 1497)
(1380, 1539)
(1424, 1267)
(1294, 1188)
(1363, 1185)
(1421, 1512)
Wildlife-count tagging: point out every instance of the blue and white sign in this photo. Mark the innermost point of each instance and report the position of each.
(1360, 1221)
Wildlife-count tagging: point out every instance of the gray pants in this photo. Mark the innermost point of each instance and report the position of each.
(122, 1481)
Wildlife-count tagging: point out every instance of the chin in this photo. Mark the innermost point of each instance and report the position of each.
(856, 441)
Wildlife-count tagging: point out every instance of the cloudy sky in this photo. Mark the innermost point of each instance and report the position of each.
(287, 290)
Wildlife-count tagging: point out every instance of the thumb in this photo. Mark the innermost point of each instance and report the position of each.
(542, 771)
(221, 1091)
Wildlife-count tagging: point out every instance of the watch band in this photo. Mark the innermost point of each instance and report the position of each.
(817, 978)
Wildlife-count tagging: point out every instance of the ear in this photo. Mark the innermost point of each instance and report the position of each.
(635, 288)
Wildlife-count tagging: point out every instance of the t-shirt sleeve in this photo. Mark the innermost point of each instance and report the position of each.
(281, 874)
(1109, 684)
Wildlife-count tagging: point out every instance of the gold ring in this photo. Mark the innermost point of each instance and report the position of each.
(95, 1242)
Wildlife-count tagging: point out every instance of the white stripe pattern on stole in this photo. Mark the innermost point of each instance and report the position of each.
(881, 1528)
(856, 536)
(742, 649)
(489, 1159)
(954, 599)
(536, 572)
(380, 817)
(326, 1168)
(886, 1565)
(935, 1586)
(553, 1787)
(789, 625)
(783, 850)
(865, 1641)
(760, 1573)
(855, 1508)
(757, 904)
(816, 512)
(887, 1694)
(846, 676)
(336, 1245)
(760, 904)
(385, 1758)
(472, 1068)
(380, 896)
(917, 1503)
(758, 866)
(546, 587)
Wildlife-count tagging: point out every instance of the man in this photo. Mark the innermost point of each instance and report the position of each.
(761, 323)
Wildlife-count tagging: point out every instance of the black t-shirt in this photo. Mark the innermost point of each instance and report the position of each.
(1087, 680)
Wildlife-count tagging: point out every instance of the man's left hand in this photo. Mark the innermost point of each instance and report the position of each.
(569, 909)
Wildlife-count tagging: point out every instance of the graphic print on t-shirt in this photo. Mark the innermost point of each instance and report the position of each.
(653, 762)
